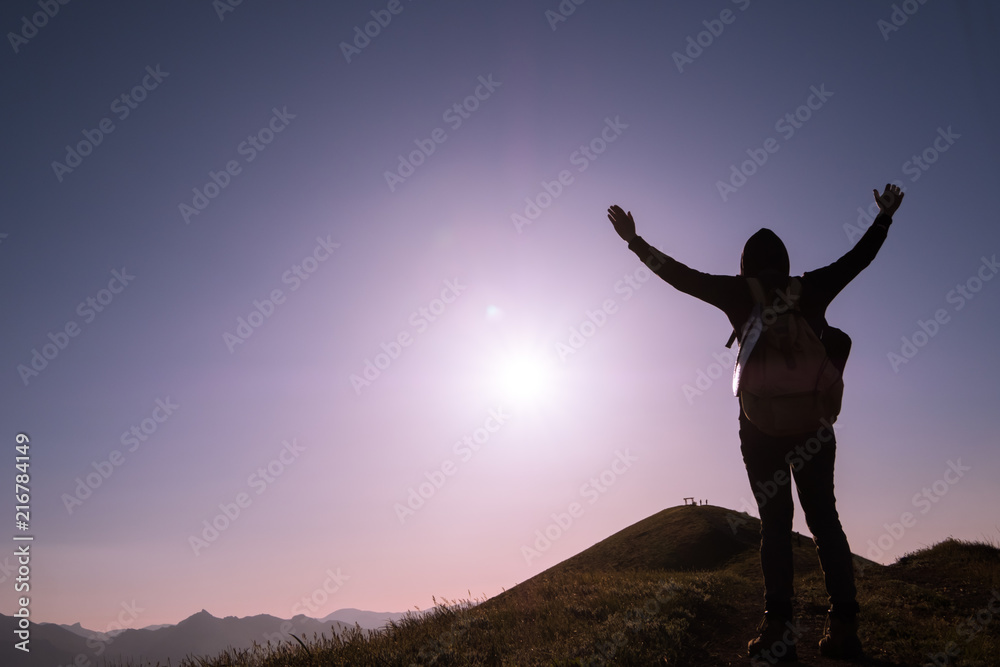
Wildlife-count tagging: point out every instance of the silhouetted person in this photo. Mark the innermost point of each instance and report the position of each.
(809, 456)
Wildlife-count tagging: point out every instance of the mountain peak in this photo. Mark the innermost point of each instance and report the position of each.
(201, 617)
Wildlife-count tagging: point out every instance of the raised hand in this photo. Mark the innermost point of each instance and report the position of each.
(623, 222)
(889, 200)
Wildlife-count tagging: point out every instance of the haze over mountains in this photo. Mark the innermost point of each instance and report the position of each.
(198, 635)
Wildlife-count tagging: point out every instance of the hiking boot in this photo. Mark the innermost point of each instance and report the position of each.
(775, 642)
(840, 638)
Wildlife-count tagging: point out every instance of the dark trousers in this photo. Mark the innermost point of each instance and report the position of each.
(771, 462)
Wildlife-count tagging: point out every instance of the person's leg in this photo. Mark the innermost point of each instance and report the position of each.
(770, 482)
(814, 481)
(812, 467)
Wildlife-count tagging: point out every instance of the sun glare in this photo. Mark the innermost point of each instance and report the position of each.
(518, 369)
(523, 378)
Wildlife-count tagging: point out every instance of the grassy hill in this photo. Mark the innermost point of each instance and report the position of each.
(682, 587)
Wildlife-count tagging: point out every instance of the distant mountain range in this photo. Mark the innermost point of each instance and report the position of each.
(199, 635)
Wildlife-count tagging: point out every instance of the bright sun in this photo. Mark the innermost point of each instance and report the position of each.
(523, 377)
(519, 369)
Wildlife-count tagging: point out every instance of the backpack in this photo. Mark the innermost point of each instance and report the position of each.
(786, 380)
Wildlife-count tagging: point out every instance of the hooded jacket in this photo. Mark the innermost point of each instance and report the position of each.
(765, 257)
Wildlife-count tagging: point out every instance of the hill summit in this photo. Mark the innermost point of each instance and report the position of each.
(684, 587)
(687, 537)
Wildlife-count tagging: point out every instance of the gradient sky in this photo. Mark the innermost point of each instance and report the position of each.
(598, 98)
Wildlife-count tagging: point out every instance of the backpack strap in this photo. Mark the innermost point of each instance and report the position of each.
(794, 291)
(759, 297)
(756, 290)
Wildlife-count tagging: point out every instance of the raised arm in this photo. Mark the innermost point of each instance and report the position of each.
(831, 279)
(725, 292)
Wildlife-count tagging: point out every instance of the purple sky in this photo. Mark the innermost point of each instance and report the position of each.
(308, 283)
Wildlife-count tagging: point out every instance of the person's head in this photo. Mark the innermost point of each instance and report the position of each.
(764, 256)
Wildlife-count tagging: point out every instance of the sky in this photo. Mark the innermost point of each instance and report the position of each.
(316, 305)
